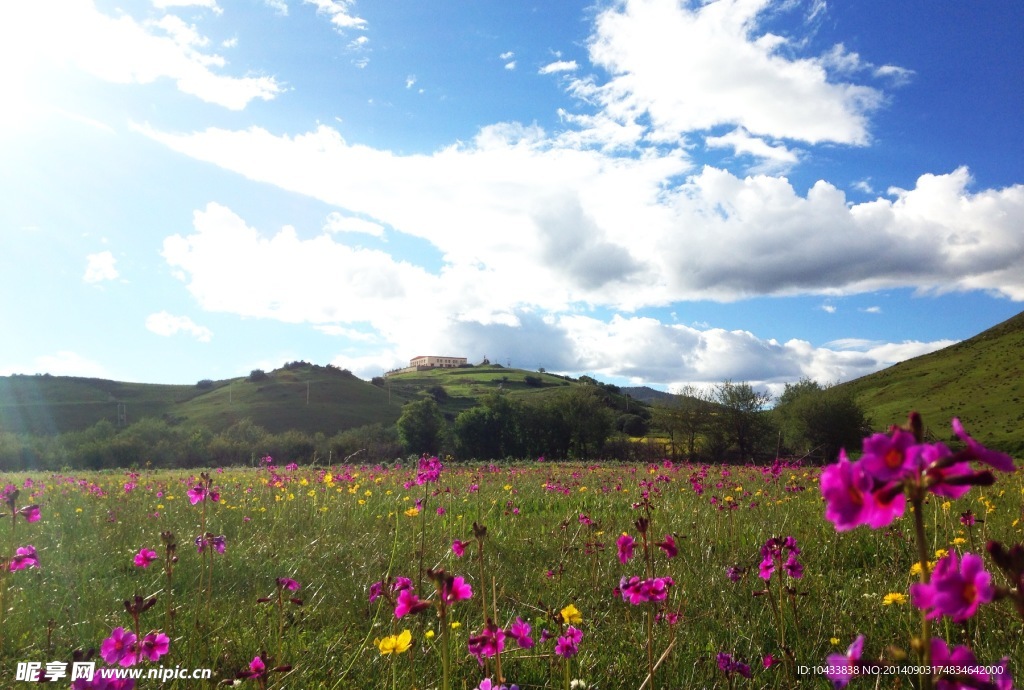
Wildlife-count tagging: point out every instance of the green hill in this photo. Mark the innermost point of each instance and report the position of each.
(303, 396)
(979, 380)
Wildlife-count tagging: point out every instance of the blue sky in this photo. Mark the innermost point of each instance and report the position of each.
(648, 191)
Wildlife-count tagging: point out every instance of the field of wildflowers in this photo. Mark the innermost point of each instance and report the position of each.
(538, 574)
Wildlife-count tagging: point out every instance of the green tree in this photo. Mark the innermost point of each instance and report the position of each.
(421, 427)
(490, 430)
(819, 420)
(588, 419)
(741, 416)
(686, 418)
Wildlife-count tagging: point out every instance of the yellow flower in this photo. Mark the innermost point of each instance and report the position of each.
(571, 615)
(941, 553)
(959, 541)
(412, 512)
(834, 640)
(946, 505)
(894, 598)
(396, 643)
(507, 487)
(429, 634)
(916, 568)
(456, 624)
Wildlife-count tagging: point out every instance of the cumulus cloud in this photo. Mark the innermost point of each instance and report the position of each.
(124, 51)
(694, 66)
(100, 267)
(773, 156)
(559, 66)
(339, 12)
(165, 324)
(613, 231)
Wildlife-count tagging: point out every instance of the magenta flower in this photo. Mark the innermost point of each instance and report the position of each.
(568, 645)
(408, 603)
(459, 547)
(625, 546)
(145, 557)
(730, 666)
(154, 645)
(457, 590)
(24, 557)
(995, 459)
(30, 513)
(489, 642)
(376, 589)
(288, 584)
(956, 587)
(852, 499)
(520, 632)
(257, 668)
(196, 494)
(845, 662)
(119, 648)
(401, 583)
(889, 457)
(637, 591)
(429, 470)
(773, 552)
(668, 545)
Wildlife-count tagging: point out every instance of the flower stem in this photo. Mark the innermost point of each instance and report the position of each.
(925, 676)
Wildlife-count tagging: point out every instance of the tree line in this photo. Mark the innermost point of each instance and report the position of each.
(729, 422)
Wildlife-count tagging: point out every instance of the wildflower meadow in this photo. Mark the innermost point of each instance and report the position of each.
(900, 565)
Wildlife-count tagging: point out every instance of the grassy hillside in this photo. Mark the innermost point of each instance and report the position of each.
(336, 401)
(465, 386)
(980, 380)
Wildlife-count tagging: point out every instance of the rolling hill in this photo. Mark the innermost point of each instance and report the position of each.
(303, 396)
(980, 380)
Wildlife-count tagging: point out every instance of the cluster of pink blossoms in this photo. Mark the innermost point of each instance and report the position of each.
(637, 591)
(124, 648)
(870, 491)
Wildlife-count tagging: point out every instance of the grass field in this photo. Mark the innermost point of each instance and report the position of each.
(551, 533)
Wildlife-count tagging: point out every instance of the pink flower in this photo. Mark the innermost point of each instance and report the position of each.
(846, 662)
(568, 645)
(30, 513)
(520, 631)
(376, 589)
(196, 494)
(488, 643)
(889, 457)
(288, 584)
(459, 547)
(637, 591)
(119, 648)
(408, 602)
(668, 545)
(24, 557)
(154, 645)
(852, 499)
(999, 461)
(458, 590)
(625, 546)
(956, 587)
(145, 557)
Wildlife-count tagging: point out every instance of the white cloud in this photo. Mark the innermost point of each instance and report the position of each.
(122, 50)
(829, 308)
(100, 267)
(279, 6)
(613, 231)
(510, 65)
(693, 66)
(338, 223)
(508, 55)
(339, 12)
(410, 81)
(165, 324)
(899, 76)
(208, 4)
(872, 310)
(739, 140)
(559, 66)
